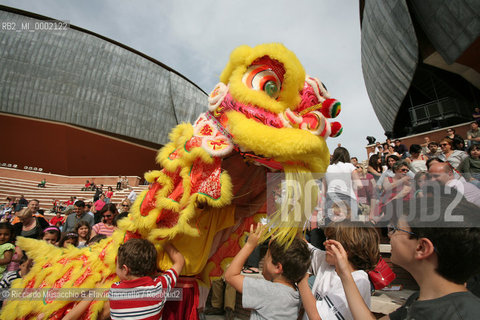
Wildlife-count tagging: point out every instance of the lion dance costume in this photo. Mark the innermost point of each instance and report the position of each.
(266, 114)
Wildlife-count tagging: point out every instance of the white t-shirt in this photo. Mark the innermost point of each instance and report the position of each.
(469, 190)
(418, 165)
(339, 179)
(328, 289)
(132, 196)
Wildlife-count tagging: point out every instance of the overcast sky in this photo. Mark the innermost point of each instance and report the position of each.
(195, 37)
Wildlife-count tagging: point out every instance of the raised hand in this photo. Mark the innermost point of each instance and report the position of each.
(256, 234)
(342, 265)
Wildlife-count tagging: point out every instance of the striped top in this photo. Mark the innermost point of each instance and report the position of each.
(102, 228)
(7, 279)
(130, 299)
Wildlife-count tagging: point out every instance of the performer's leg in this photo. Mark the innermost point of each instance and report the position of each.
(230, 297)
(217, 293)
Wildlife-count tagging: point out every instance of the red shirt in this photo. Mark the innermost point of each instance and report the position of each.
(124, 307)
(99, 204)
(55, 220)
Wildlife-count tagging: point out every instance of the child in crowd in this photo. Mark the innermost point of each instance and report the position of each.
(328, 300)
(421, 178)
(25, 266)
(6, 247)
(69, 238)
(58, 220)
(136, 266)
(14, 264)
(84, 230)
(51, 235)
(440, 255)
(276, 296)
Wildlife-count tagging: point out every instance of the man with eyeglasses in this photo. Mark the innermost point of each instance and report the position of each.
(443, 174)
(79, 214)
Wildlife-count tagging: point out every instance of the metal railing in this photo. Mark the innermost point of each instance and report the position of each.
(439, 110)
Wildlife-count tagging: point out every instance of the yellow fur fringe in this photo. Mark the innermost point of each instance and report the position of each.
(300, 199)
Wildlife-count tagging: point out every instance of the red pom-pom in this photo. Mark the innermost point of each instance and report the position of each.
(331, 108)
(337, 129)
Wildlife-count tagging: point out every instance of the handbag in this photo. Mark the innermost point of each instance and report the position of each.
(382, 275)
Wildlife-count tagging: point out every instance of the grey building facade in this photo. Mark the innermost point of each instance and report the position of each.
(74, 76)
(420, 62)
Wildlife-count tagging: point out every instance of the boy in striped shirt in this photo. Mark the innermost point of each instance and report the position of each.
(136, 267)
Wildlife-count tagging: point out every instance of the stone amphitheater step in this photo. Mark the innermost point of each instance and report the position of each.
(11, 187)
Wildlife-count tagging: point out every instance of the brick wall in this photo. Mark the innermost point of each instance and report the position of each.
(61, 179)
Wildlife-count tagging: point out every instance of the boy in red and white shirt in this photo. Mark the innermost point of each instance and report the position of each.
(136, 266)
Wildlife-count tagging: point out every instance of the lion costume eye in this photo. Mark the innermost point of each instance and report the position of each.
(262, 78)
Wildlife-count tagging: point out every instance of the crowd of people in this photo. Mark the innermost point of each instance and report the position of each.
(400, 171)
(322, 276)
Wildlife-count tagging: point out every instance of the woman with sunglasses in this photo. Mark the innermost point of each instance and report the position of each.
(397, 187)
(454, 157)
(390, 161)
(125, 206)
(107, 226)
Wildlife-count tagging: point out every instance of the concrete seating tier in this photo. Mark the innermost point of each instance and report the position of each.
(13, 187)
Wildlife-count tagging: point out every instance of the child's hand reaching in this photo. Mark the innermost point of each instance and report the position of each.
(175, 255)
(233, 273)
(255, 235)
(342, 265)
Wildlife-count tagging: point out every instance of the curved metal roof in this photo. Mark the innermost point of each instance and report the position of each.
(390, 50)
(389, 56)
(451, 26)
(77, 77)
